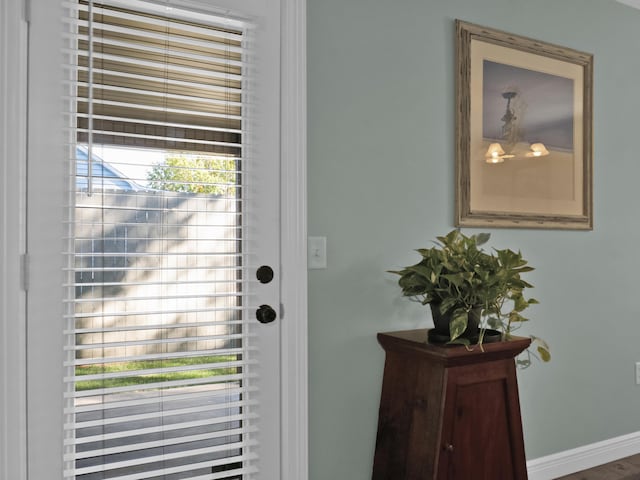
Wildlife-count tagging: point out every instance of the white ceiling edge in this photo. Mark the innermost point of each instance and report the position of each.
(631, 3)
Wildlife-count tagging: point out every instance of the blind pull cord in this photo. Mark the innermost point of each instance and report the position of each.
(90, 101)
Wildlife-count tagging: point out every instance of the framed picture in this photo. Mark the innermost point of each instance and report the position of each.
(523, 132)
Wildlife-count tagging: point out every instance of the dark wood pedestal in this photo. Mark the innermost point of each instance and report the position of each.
(447, 413)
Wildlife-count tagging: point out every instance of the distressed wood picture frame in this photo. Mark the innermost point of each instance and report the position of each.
(523, 132)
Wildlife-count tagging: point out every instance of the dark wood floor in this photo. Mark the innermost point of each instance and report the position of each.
(624, 469)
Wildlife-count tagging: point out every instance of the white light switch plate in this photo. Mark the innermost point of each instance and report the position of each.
(317, 252)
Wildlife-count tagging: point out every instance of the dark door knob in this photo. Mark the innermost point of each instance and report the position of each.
(265, 314)
(264, 274)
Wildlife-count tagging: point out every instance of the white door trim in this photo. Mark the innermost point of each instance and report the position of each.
(13, 81)
(294, 365)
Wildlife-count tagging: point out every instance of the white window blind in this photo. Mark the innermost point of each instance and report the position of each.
(158, 367)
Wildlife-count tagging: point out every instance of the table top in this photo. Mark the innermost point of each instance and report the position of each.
(416, 342)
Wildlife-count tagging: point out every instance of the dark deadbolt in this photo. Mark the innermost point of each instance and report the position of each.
(265, 314)
(264, 274)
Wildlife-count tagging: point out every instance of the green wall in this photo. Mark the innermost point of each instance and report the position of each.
(381, 183)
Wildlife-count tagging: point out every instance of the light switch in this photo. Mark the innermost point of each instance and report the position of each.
(317, 252)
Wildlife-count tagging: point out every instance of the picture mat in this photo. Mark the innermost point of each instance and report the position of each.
(550, 185)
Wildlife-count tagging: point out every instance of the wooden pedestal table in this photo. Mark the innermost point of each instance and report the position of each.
(447, 413)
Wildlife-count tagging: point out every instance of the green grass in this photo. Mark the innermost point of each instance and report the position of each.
(83, 385)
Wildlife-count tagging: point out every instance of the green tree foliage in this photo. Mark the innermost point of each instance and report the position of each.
(195, 174)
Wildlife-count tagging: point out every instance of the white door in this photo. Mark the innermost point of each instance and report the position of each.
(153, 199)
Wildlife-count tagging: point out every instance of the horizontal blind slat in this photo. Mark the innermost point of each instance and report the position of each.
(158, 370)
(151, 342)
(147, 121)
(166, 326)
(159, 443)
(156, 429)
(155, 385)
(160, 416)
(217, 90)
(153, 312)
(160, 397)
(223, 27)
(159, 110)
(190, 467)
(97, 284)
(171, 69)
(154, 356)
(144, 268)
(161, 458)
(201, 48)
(154, 255)
(129, 74)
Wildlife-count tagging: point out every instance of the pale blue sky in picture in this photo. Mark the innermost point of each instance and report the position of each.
(543, 105)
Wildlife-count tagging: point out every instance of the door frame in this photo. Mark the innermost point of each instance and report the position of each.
(13, 120)
(13, 155)
(293, 201)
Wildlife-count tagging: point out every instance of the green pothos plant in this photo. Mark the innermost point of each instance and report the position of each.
(457, 275)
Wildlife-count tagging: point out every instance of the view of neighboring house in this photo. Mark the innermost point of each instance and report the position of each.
(104, 175)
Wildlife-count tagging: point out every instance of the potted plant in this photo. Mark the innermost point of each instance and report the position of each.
(472, 294)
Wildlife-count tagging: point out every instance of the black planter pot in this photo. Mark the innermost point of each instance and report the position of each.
(441, 333)
(441, 321)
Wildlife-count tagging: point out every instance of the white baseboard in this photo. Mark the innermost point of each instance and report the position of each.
(581, 458)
